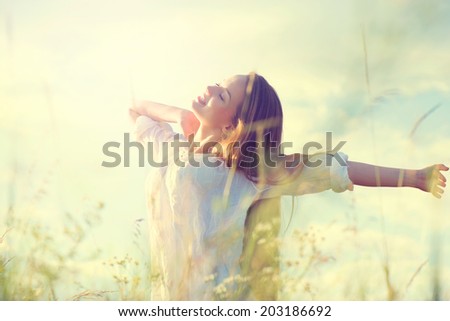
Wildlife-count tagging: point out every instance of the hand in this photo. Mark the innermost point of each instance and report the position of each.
(430, 179)
(189, 123)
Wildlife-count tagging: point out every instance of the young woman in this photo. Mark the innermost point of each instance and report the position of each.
(214, 199)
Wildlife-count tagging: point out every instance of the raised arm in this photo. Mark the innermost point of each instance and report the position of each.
(429, 179)
(165, 113)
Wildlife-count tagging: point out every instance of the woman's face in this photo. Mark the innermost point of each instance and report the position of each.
(218, 105)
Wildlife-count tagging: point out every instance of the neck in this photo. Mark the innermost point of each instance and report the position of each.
(206, 134)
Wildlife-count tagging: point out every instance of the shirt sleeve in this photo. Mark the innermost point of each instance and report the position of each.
(153, 135)
(321, 172)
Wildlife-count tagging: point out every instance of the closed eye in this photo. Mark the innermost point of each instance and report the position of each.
(221, 95)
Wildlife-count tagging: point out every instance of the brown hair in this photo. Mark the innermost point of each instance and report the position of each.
(258, 119)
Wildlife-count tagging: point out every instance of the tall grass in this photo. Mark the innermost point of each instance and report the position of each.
(37, 261)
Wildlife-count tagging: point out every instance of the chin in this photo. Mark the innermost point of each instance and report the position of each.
(196, 110)
(194, 106)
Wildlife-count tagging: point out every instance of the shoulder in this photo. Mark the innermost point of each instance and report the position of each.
(211, 172)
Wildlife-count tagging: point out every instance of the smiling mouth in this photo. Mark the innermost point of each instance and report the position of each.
(201, 100)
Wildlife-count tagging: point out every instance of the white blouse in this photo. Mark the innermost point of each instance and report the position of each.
(197, 214)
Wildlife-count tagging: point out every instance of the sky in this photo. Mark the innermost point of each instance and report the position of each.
(364, 70)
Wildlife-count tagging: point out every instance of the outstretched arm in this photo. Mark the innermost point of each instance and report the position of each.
(429, 179)
(304, 179)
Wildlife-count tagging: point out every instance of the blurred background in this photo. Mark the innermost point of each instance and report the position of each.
(375, 74)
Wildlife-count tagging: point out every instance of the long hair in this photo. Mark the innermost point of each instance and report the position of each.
(256, 130)
(259, 119)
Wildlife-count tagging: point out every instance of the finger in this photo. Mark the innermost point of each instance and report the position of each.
(442, 177)
(438, 190)
(441, 183)
(437, 195)
(441, 167)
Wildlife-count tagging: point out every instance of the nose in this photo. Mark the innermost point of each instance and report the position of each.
(211, 90)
